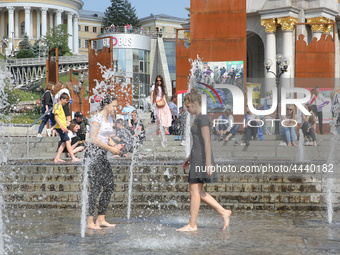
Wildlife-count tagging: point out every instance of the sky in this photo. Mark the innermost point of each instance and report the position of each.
(145, 7)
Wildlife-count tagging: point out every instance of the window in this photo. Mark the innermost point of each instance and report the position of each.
(86, 44)
(163, 29)
(22, 29)
(102, 30)
(79, 43)
(86, 28)
(94, 45)
(94, 30)
(79, 27)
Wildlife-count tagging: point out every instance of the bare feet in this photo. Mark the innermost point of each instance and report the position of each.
(93, 226)
(187, 228)
(294, 144)
(227, 140)
(76, 160)
(314, 143)
(289, 144)
(226, 219)
(59, 161)
(104, 224)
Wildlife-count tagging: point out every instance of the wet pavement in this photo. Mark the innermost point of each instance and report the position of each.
(58, 232)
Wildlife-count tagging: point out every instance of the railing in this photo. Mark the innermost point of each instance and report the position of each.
(28, 126)
(152, 34)
(42, 61)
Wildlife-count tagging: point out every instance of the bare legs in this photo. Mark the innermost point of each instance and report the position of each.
(197, 194)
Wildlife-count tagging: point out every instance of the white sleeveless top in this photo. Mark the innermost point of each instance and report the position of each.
(105, 129)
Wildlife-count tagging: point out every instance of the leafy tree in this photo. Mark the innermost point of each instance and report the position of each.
(58, 38)
(25, 54)
(120, 13)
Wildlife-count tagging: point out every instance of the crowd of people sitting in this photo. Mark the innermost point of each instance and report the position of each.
(74, 133)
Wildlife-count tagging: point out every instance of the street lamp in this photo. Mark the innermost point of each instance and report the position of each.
(282, 64)
(77, 88)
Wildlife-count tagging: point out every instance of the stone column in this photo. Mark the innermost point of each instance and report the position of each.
(51, 18)
(10, 27)
(38, 23)
(2, 25)
(270, 51)
(59, 12)
(287, 26)
(319, 29)
(75, 35)
(70, 30)
(17, 29)
(43, 21)
(31, 27)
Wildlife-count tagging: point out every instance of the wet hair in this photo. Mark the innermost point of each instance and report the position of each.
(156, 87)
(64, 96)
(49, 86)
(107, 99)
(195, 96)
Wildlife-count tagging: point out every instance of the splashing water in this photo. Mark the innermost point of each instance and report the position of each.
(5, 80)
(330, 179)
(301, 156)
(133, 161)
(107, 85)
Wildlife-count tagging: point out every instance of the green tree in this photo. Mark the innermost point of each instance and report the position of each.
(120, 13)
(58, 38)
(26, 49)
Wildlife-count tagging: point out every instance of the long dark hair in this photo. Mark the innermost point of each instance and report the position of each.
(156, 87)
(107, 99)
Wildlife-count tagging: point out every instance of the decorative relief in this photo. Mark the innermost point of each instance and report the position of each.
(287, 23)
(188, 36)
(269, 24)
(321, 27)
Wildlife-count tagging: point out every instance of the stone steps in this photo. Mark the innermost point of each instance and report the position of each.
(41, 186)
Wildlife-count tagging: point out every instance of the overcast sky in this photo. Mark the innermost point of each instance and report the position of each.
(145, 7)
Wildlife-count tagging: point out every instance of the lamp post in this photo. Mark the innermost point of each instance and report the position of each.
(77, 87)
(282, 66)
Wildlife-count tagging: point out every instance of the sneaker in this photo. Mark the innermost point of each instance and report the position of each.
(235, 143)
(49, 133)
(182, 143)
(39, 135)
(282, 144)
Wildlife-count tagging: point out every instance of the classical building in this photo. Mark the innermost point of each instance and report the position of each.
(35, 18)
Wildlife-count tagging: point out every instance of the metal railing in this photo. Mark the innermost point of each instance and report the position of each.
(152, 34)
(42, 61)
(28, 126)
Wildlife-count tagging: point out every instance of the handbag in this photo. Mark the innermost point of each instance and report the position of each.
(160, 103)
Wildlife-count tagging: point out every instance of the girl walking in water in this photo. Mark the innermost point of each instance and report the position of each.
(201, 161)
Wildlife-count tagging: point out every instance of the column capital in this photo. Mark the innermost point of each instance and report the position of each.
(69, 14)
(43, 9)
(76, 16)
(321, 27)
(58, 11)
(10, 8)
(27, 8)
(269, 24)
(287, 23)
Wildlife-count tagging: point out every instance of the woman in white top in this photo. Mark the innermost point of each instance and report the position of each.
(100, 171)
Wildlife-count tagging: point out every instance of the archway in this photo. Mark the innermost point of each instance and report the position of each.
(255, 56)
